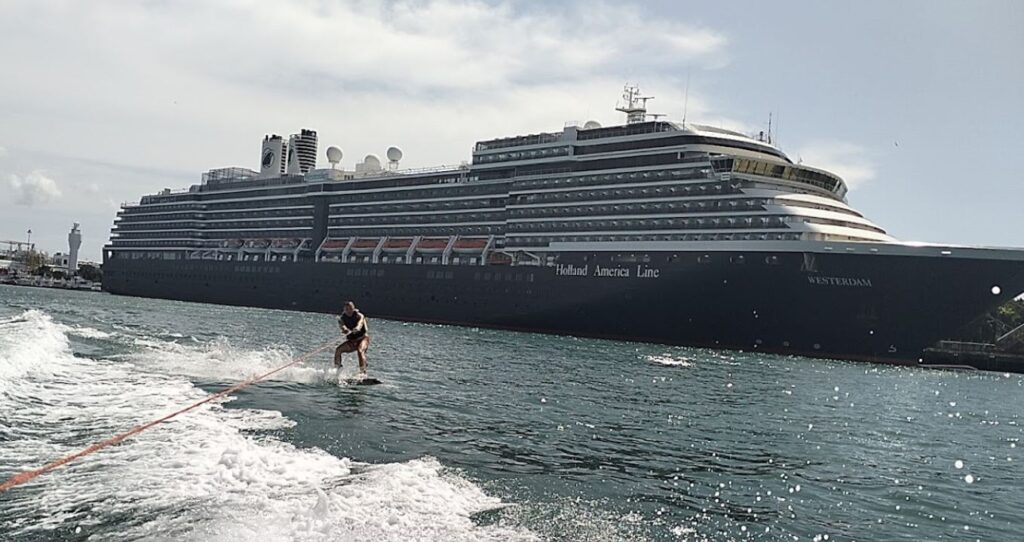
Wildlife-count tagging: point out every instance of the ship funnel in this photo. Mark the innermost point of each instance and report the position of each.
(273, 156)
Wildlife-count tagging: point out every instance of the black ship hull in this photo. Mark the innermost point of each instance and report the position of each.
(831, 305)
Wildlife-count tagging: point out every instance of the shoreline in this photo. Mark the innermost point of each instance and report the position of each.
(93, 287)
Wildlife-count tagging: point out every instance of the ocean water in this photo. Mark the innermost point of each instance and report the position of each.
(480, 435)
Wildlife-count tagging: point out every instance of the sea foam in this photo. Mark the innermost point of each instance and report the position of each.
(207, 474)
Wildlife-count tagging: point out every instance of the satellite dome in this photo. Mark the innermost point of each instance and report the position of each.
(371, 162)
(394, 154)
(334, 155)
(591, 124)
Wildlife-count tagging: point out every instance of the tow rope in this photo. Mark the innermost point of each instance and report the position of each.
(27, 476)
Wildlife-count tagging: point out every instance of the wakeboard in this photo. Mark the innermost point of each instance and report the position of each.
(364, 381)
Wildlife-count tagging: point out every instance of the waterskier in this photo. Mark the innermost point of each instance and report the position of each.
(357, 339)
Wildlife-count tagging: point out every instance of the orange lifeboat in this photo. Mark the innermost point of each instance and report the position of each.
(499, 258)
(365, 245)
(397, 245)
(334, 244)
(470, 244)
(432, 244)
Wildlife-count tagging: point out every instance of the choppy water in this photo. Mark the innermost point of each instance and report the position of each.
(481, 435)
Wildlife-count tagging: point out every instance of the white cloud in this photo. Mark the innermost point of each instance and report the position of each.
(850, 161)
(428, 76)
(148, 95)
(3, 152)
(34, 188)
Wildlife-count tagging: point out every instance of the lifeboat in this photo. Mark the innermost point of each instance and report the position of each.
(257, 243)
(332, 245)
(499, 258)
(397, 245)
(231, 243)
(470, 245)
(285, 244)
(433, 244)
(365, 245)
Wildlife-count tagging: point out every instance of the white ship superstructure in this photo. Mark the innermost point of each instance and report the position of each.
(638, 182)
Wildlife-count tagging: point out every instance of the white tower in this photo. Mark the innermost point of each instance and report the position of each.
(74, 242)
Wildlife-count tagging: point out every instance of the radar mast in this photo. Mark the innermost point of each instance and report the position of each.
(635, 106)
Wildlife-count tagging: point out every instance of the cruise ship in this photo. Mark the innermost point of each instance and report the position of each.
(655, 231)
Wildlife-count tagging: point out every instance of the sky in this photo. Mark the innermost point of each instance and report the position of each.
(918, 105)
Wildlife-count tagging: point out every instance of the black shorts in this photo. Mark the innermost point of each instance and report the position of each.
(354, 343)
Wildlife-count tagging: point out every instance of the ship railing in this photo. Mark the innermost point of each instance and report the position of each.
(1012, 340)
(963, 347)
(432, 169)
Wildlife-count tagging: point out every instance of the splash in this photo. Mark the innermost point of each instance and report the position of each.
(213, 474)
(668, 360)
(220, 360)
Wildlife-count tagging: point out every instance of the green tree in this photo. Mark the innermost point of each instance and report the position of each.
(1012, 313)
(90, 273)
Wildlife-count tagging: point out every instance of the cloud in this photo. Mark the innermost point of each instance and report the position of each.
(408, 48)
(412, 46)
(848, 160)
(34, 188)
(192, 85)
(3, 152)
(429, 76)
